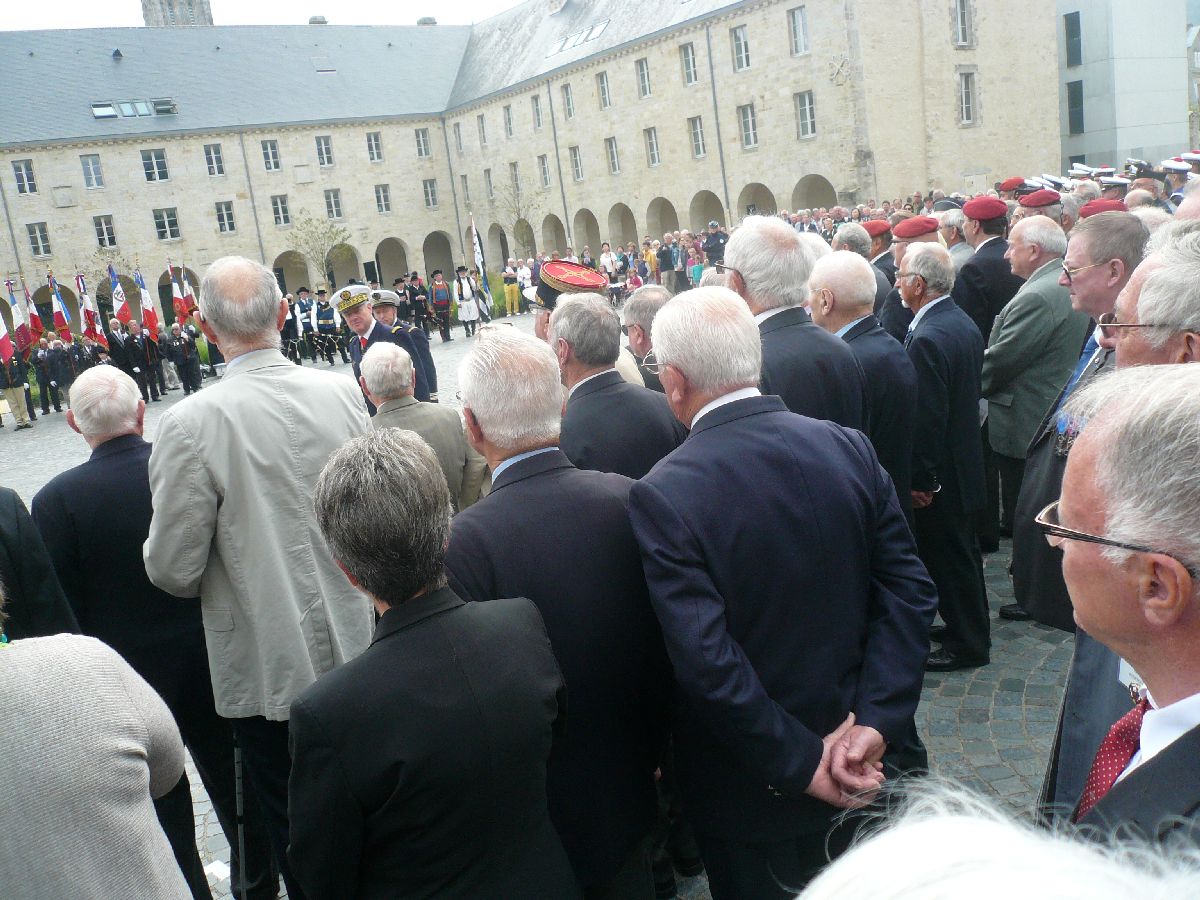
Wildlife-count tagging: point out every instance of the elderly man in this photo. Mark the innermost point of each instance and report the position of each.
(1033, 347)
(512, 291)
(639, 312)
(231, 475)
(953, 235)
(881, 249)
(141, 354)
(986, 282)
(353, 304)
(608, 425)
(420, 767)
(387, 309)
(947, 481)
(857, 239)
(787, 702)
(813, 372)
(568, 546)
(1131, 558)
(894, 316)
(98, 560)
(181, 350)
(387, 381)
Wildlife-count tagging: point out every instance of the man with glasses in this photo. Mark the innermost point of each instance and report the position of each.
(641, 308)
(1126, 525)
(894, 316)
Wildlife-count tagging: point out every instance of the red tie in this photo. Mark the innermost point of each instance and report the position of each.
(364, 342)
(1116, 750)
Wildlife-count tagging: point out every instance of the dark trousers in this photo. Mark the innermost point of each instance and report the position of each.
(1011, 471)
(633, 881)
(189, 374)
(443, 321)
(328, 343)
(160, 376)
(49, 393)
(987, 524)
(947, 544)
(469, 327)
(266, 764)
(309, 345)
(770, 870)
(29, 405)
(146, 383)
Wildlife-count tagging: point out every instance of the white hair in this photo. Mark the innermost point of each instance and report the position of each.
(510, 382)
(711, 277)
(848, 275)
(1071, 204)
(953, 219)
(1042, 232)
(852, 237)
(1170, 295)
(932, 262)
(590, 325)
(239, 299)
(643, 305)
(1087, 191)
(709, 335)
(772, 261)
(105, 402)
(1152, 217)
(388, 370)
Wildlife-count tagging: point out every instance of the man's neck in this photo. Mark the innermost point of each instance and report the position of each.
(1169, 677)
(835, 323)
(232, 351)
(576, 373)
(94, 441)
(496, 455)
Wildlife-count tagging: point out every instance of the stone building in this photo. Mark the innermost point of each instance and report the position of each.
(549, 125)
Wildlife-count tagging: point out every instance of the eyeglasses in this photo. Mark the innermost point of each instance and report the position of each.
(651, 364)
(1071, 273)
(724, 269)
(1110, 328)
(1047, 521)
(910, 275)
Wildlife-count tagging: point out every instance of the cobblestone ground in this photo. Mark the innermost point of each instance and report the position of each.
(990, 728)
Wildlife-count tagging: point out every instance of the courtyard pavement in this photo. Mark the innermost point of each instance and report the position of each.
(989, 728)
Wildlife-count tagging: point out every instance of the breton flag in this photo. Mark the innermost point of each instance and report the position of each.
(20, 321)
(486, 301)
(6, 344)
(149, 315)
(120, 304)
(31, 311)
(92, 326)
(62, 318)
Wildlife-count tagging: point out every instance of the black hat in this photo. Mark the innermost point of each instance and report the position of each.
(320, 292)
(461, 269)
(302, 290)
(396, 281)
(946, 204)
(431, 274)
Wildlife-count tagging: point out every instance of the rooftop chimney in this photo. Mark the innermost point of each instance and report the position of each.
(427, 20)
(317, 20)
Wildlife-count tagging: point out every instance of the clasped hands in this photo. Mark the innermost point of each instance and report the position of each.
(851, 770)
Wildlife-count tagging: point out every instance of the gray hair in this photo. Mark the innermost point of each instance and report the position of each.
(510, 382)
(954, 219)
(643, 305)
(1172, 235)
(104, 401)
(384, 509)
(1042, 232)
(932, 262)
(1087, 191)
(1138, 197)
(711, 277)
(590, 325)
(1170, 295)
(1152, 217)
(848, 275)
(387, 370)
(1145, 418)
(239, 299)
(709, 335)
(1113, 235)
(1071, 204)
(852, 237)
(772, 260)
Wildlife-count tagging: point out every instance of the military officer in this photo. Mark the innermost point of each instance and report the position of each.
(353, 304)
(328, 327)
(388, 309)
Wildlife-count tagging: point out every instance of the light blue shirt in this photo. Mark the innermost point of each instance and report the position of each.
(924, 309)
(841, 332)
(516, 459)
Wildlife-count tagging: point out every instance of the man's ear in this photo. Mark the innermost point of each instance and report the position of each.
(346, 572)
(1165, 589)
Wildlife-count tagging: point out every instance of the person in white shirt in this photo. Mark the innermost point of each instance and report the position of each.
(466, 295)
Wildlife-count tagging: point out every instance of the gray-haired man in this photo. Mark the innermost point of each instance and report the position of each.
(640, 309)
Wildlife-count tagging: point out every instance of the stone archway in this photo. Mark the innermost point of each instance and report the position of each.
(587, 232)
(621, 226)
(437, 254)
(42, 299)
(344, 265)
(705, 207)
(812, 192)
(524, 240)
(102, 294)
(554, 235)
(661, 218)
(497, 248)
(756, 199)
(391, 261)
(166, 298)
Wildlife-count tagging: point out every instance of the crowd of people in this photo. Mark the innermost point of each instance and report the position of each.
(659, 600)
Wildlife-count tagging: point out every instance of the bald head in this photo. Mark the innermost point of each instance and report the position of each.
(841, 289)
(240, 301)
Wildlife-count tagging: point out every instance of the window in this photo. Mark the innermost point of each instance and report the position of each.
(610, 150)
(576, 163)
(23, 171)
(458, 136)
(798, 25)
(749, 125)
(544, 169)
(164, 106)
(741, 48)
(488, 187)
(271, 155)
(422, 143)
(93, 177)
(1075, 107)
(213, 159)
(687, 59)
(643, 77)
(482, 126)
(154, 163)
(514, 177)
(535, 103)
(602, 90)
(375, 146)
(466, 189)
(696, 130)
(652, 157)
(806, 116)
(133, 108)
(1074, 39)
(166, 223)
(568, 102)
(967, 113)
(333, 203)
(429, 186)
(962, 23)
(508, 129)
(39, 238)
(279, 208)
(383, 198)
(104, 110)
(225, 216)
(579, 37)
(106, 235)
(324, 151)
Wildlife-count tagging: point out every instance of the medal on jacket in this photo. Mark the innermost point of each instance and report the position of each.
(1067, 430)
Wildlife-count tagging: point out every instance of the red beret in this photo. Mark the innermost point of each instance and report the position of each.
(876, 227)
(915, 227)
(981, 209)
(1011, 184)
(1098, 206)
(1038, 199)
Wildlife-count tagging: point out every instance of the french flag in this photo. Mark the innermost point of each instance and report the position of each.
(6, 345)
(120, 304)
(20, 321)
(92, 326)
(149, 314)
(35, 318)
(62, 318)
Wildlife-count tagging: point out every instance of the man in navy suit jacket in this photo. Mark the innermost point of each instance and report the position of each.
(946, 350)
(795, 610)
(354, 305)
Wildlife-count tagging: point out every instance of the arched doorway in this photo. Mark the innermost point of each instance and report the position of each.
(344, 265)
(621, 227)
(166, 298)
(497, 248)
(705, 208)
(103, 294)
(437, 254)
(661, 218)
(813, 191)
(524, 238)
(756, 200)
(391, 261)
(42, 299)
(587, 232)
(554, 235)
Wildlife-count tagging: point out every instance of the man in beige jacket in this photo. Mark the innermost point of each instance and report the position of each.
(387, 380)
(232, 475)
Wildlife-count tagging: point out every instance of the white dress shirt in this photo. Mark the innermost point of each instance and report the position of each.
(1162, 726)
(763, 316)
(740, 394)
(583, 381)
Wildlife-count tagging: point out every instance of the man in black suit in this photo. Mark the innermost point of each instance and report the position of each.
(141, 354)
(813, 372)
(36, 605)
(1131, 558)
(353, 304)
(561, 537)
(787, 702)
(639, 312)
(881, 256)
(857, 239)
(895, 317)
(608, 425)
(946, 351)
(98, 559)
(419, 767)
